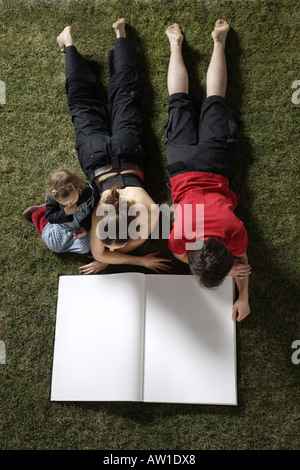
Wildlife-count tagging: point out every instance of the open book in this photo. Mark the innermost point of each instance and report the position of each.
(144, 337)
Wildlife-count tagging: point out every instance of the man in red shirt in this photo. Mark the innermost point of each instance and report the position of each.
(200, 139)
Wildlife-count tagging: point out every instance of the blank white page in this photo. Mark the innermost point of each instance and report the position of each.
(190, 344)
(98, 349)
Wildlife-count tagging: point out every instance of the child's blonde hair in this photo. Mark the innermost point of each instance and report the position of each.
(61, 182)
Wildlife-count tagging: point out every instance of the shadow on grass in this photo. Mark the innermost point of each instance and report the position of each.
(155, 175)
(273, 308)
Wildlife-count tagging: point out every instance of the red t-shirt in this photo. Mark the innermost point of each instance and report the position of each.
(219, 202)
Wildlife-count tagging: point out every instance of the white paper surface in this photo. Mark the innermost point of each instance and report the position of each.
(190, 353)
(98, 350)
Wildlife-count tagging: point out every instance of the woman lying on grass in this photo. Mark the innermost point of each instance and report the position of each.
(113, 159)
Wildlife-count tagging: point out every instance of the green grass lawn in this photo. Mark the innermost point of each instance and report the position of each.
(37, 136)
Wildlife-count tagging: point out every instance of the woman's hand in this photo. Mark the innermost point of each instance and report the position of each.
(93, 268)
(151, 261)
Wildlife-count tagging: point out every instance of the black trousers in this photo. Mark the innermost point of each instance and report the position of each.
(200, 136)
(99, 143)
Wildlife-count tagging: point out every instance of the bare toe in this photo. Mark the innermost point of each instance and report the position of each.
(220, 31)
(65, 38)
(119, 27)
(174, 33)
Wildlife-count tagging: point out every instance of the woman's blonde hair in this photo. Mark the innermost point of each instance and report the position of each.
(61, 182)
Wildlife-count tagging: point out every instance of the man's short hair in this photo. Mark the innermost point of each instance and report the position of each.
(211, 263)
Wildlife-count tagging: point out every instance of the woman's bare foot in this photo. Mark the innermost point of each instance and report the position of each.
(65, 38)
(119, 27)
(220, 31)
(174, 34)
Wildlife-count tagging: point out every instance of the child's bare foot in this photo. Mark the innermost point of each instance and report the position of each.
(220, 31)
(119, 27)
(174, 34)
(65, 38)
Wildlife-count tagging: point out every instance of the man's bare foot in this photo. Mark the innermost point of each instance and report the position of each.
(65, 38)
(119, 27)
(174, 34)
(220, 31)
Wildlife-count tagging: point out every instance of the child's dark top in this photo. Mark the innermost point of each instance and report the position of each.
(55, 213)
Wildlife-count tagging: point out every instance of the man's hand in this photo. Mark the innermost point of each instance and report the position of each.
(240, 269)
(240, 309)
